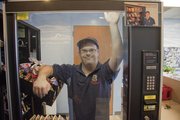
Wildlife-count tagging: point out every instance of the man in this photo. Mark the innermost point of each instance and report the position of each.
(88, 83)
(148, 20)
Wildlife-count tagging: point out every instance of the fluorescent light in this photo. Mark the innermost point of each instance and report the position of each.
(101, 17)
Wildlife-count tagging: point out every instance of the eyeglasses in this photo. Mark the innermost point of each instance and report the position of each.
(91, 51)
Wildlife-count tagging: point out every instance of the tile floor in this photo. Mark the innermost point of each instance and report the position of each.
(172, 113)
(170, 110)
(115, 117)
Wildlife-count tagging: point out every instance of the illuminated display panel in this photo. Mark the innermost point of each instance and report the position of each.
(60, 32)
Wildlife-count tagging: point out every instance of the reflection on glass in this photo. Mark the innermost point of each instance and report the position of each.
(52, 38)
(28, 42)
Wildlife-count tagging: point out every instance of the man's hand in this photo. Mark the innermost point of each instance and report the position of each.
(112, 17)
(41, 86)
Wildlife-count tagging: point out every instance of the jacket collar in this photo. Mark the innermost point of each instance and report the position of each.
(79, 68)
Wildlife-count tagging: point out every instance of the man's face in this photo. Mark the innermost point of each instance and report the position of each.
(147, 15)
(89, 54)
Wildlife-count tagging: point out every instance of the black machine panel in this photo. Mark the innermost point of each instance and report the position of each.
(141, 77)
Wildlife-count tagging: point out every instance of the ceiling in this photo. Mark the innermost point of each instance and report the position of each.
(171, 12)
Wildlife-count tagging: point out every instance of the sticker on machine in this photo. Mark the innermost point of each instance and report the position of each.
(149, 107)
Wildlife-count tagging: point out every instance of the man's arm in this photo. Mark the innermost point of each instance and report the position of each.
(41, 86)
(117, 47)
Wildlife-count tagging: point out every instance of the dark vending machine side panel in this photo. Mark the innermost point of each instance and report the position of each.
(141, 77)
(125, 91)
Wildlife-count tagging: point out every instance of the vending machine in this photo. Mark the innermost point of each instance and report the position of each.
(142, 47)
(141, 79)
(142, 66)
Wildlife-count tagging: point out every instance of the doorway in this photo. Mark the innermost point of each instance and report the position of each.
(102, 35)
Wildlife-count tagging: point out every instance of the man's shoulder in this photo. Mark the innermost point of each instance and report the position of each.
(70, 66)
(151, 18)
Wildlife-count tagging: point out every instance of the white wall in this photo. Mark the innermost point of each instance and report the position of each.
(171, 32)
(56, 44)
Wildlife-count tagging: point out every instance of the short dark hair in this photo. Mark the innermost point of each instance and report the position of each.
(87, 40)
(148, 12)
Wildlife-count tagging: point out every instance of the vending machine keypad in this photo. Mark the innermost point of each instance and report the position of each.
(150, 83)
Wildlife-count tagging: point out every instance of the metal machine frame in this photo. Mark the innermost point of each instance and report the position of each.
(10, 35)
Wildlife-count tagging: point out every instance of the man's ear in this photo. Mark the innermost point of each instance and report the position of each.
(98, 51)
(79, 53)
